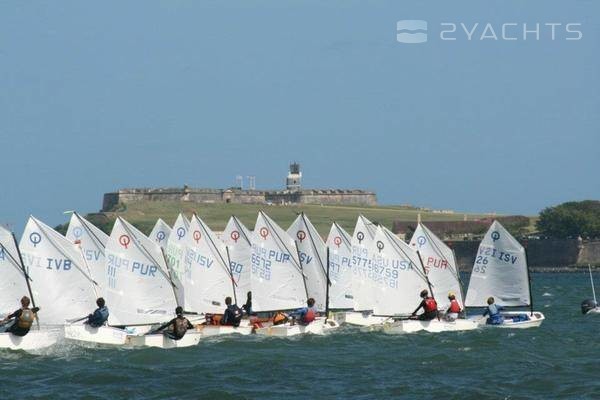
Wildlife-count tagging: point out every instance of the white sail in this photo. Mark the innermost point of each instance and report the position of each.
(313, 257)
(237, 238)
(276, 280)
(175, 253)
(362, 292)
(160, 233)
(12, 284)
(500, 271)
(61, 281)
(92, 242)
(139, 289)
(398, 279)
(439, 263)
(207, 278)
(340, 268)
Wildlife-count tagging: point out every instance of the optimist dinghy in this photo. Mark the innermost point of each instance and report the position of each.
(14, 284)
(140, 293)
(590, 306)
(208, 279)
(277, 279)
(361, 283)
(398, 279)
(501, 271)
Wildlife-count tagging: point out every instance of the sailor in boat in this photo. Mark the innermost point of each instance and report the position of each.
(100, 315)
(493, 310)
(23, 318)
(177, 327)
(305, 315)
(232, 315)
(429, 306)
(280, 318)
(248, 306)
(454, 310)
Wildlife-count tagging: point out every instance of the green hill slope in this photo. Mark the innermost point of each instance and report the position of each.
(145, 213)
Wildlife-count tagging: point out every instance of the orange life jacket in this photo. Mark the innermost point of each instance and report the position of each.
(430, 305)
(309, 316)
(454, 306)
(279, 318)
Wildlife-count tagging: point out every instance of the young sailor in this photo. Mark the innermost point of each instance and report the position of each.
(100, 315)
(493, 310)
(454, 310)
(23, 318)
(248, 306)
(306, 315)
(178, 326)
(232, 315)
(429, 306)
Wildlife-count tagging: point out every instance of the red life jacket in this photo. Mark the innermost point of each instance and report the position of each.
(430, 305)
(454, 306)
(309, 316)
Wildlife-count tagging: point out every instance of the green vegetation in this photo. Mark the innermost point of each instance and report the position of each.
(571, 219)
(144, 214)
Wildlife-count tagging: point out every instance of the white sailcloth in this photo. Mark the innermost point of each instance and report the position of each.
(61, 281)
(237, 238)
(340, 268)
(92, 242)
(277, 281)
(139, 289)
(175, 254)
(439, 262)
(207, 278)
(500, 271)
(398, 280)
(313, 257)
(12, 283)
(160, 233)
(364, 232)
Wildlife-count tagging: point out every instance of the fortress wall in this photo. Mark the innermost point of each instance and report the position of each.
(330, 196)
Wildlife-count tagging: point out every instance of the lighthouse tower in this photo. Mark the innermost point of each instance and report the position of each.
(294, 178)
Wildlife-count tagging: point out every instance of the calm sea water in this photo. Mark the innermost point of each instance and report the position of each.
(559, 360)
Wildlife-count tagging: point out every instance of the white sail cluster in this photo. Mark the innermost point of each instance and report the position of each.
(144, 278)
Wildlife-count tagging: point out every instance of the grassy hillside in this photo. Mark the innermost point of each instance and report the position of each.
(144, 214)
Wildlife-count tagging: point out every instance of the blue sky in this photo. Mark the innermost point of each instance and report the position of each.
(166, 93)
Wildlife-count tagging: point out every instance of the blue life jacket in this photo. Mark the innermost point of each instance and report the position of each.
(495, 316)
(99, 317)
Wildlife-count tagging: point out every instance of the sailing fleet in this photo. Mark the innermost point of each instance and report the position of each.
(371, 279)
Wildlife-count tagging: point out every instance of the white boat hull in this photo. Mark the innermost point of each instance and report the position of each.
(101, 335)
(358, 318)
(34, 340)
(434, 326)
(191, 338)
(214, 330)
(593, 311)
(317, 327)
(535, 319)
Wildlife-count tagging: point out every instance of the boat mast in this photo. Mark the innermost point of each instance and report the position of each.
(327, 288)
(529, 283)
(427, 280)
(27, 278)
(592, 282)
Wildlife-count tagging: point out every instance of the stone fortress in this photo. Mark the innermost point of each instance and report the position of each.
(292, 194)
